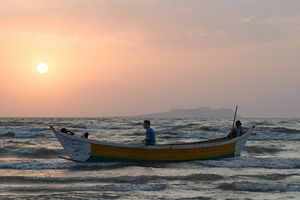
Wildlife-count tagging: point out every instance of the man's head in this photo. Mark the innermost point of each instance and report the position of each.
(238, 123)
(146, 124)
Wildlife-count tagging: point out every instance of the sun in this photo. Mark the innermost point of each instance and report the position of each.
(42, 68)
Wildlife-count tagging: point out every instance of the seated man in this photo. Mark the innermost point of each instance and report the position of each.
(236, 131)
(150, 136)
(64, 130)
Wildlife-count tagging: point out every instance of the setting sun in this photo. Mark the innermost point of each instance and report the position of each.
(42, 68)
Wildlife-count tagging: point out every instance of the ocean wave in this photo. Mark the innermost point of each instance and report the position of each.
(144, 179)
(202, 177)
(140, 187)
(274, 176)
(276, 129)
(258, 135)
(261, 187)
(13, 123)
(282, 130)
(63, 195)
(264, 123)
(193, 127)
(109, 127)
(187, 126)
(39, 152)
(8, 134)
(193, 177)
(29, 134)
(79, 126)
(42, 164)
(208, 128)
(262, 150)
(3, 151)
(254, 162)
(122, 187)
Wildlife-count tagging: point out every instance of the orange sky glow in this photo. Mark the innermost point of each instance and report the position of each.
(109, 58)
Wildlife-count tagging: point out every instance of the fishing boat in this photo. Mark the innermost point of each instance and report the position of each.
(86, 150)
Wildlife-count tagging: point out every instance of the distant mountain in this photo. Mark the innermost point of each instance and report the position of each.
(202, 112)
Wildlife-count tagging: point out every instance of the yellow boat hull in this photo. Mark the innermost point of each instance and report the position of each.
(108, 153)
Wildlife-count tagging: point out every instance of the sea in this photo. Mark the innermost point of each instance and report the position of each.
(30, 167)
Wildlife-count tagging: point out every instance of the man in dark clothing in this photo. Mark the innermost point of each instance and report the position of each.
(236, 131)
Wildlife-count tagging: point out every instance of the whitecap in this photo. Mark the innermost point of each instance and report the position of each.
(254, 162)
(264, 187)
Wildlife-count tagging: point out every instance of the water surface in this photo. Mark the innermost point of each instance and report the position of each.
(269, 167)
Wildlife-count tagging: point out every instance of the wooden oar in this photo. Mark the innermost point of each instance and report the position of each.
(236, 108)
(62, 157)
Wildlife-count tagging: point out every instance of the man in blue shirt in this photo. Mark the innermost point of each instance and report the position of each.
(150, 136)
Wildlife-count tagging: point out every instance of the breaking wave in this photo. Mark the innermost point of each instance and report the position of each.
(31, 152)
(48, 164)
(261, 187)
(254, 162)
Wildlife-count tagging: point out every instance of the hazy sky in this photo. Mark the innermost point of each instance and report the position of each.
(143, 56)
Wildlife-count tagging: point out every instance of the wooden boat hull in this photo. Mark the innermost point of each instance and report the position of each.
(85, 150)
(108, 153)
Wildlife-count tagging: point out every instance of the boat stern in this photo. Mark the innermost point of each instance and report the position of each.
(241, 141)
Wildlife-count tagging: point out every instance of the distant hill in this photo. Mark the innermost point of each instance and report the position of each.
(202, 112)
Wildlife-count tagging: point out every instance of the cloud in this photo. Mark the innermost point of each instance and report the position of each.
(167, 24)
(269, 28)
